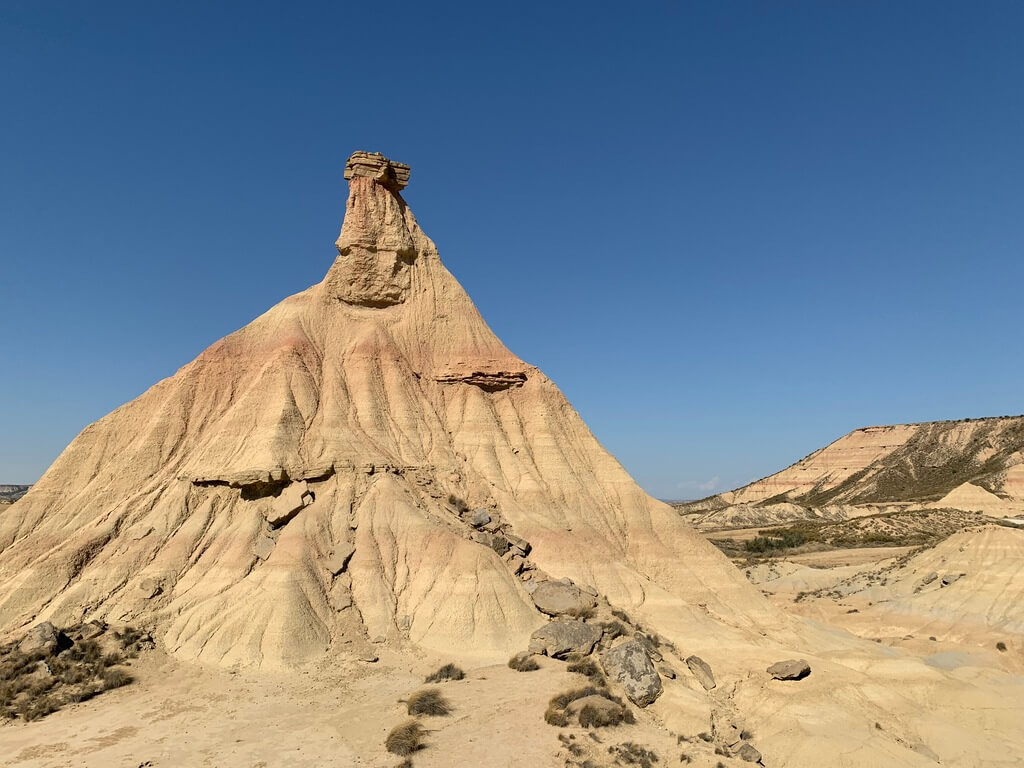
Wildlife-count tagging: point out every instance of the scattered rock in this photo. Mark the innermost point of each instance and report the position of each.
(338, 561)
(929, 578)
(521, 546)
(291, 501)
(90, 630)
(479, 518)
(42, 638)
(748, 754)
(666, 671)
(557, 639)
(263, 547)
(557, 598)
(629, 665)
(951, 578)
(702, 671)
(150, 587)
(791, 669)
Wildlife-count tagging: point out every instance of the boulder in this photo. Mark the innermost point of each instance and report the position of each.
(338, 560)
(791, 669)
(479, 518)
(950, 578)
(42, 638)
(702, 671)
(748, 754)
(629, 665)
(557, 598)
(559, 638)
(90, 630)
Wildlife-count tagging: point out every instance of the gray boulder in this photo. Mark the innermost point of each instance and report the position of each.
(479, 518)
(791, 669)
(702, 671)
(556, 598)
(557, 639)
(42, 638)
(629, 665)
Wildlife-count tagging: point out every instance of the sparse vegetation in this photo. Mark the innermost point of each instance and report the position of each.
(594, 717)
(704, 736)
(445, 673)
(460, 505)
(523, 662)
(633, 754)
(557, 714)
(621, 616)
(33, 685)
(587, 668)
(429, 701)
(613, 629)
(405, 738)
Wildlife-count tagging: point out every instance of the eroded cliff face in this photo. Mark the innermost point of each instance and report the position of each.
(286, 495)
(380, 240)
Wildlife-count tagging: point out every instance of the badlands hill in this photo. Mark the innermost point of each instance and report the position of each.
(296, 490)
(365, 483)
(11, 493)
(970, 465)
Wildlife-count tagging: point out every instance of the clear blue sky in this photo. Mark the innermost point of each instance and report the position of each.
(730, 231)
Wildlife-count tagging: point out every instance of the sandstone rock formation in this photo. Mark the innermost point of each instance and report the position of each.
(283, 496)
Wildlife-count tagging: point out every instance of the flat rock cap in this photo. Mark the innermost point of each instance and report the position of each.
(388, 173)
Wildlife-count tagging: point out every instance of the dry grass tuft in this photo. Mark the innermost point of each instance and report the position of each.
(447, 672)
(633, 754)
(429, 701)
(405, 738)
(523, 662)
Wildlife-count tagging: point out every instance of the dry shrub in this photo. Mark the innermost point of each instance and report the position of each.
(633, 754)
(593, 717)
(429, 701)
(523, 662)
(405, 738)
(613, 629)
(1000, 646)
(587, 668)
(447, 672)
(621, 615)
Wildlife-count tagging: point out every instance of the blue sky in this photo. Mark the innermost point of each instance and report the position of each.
(730, 231)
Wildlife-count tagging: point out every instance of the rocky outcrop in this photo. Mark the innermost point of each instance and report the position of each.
(558, 639)
(373, 165)
(791, 669)
(629, 665)
(42, 638)
(488, 382)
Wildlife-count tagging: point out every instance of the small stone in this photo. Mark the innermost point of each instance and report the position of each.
(748, 754)
(338, 560)
(263, 547)
(951, 578)
(702, 671)
(666, 671)
(90, 630)
(150, 587)
(791, 669)
(522, 546)
(480, 518)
